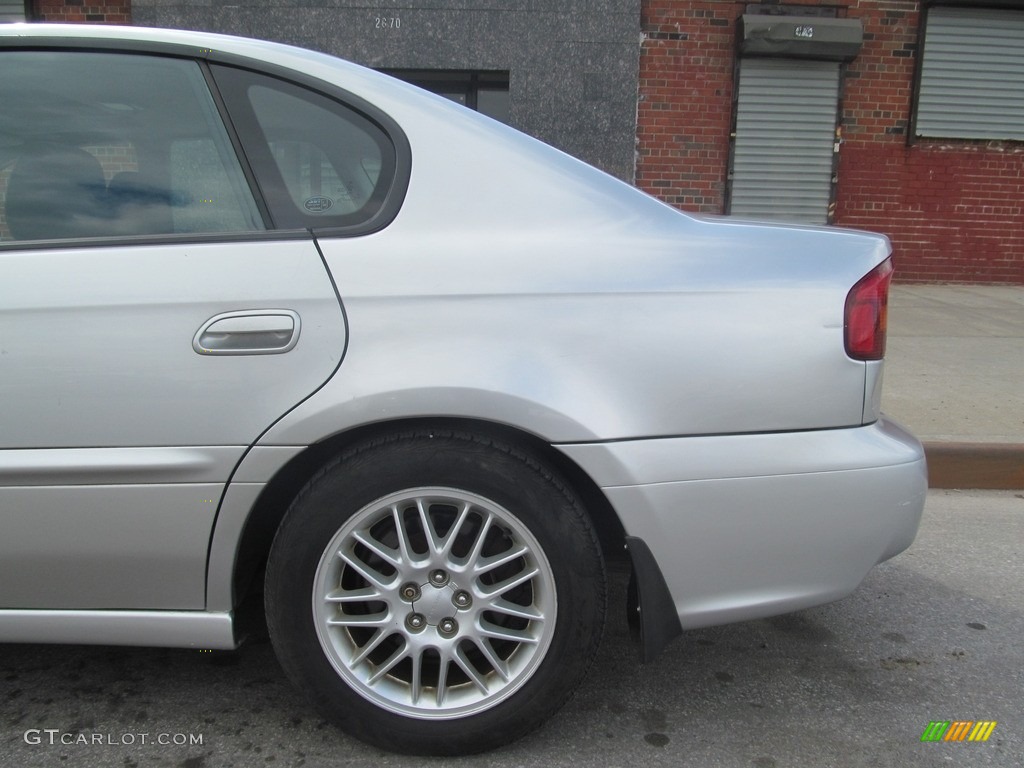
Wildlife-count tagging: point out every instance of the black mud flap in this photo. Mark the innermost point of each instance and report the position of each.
(652, 616)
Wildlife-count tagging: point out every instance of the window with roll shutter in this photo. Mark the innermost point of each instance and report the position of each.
(12, 10)
(972, 74)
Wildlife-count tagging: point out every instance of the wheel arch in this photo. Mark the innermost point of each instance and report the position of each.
(266, 514)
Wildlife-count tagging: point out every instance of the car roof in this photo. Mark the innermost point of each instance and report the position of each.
(202, 42)
(215, 47)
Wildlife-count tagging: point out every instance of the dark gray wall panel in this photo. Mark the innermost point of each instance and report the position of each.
(573, 65)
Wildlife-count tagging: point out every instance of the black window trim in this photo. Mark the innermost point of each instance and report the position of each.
(142, 241)
(470, 81)
(390, 205)
(236, 145)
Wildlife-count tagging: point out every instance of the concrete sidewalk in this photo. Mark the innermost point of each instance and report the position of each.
(955, 376)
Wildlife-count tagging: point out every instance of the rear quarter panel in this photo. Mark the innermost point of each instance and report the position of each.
(521, 286)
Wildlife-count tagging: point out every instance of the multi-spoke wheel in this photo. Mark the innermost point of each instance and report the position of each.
(436, 593)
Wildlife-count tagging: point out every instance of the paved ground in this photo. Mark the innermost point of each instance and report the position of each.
(955, 362)
(933, 635)
(954, 374)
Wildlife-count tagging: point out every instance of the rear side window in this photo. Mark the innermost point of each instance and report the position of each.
(319, 162)
(114, 145)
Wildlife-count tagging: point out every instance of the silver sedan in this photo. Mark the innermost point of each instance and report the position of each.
(267, 317)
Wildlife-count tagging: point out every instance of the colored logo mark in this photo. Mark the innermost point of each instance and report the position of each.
(958, 730)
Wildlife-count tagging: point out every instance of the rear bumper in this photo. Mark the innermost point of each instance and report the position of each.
(746, 526)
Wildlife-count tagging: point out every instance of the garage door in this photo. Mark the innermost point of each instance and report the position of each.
(785, 136)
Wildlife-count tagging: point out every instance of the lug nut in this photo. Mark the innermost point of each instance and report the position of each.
(462, 599)
(448, 626)
(410, 592)
(438, 578)
(415, 621)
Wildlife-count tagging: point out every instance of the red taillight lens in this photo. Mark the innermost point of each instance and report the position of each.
(867, 310)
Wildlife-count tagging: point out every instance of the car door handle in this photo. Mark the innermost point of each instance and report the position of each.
(248, 332)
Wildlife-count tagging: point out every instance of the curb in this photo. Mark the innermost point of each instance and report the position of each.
(991, 466)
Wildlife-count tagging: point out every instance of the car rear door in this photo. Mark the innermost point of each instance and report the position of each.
(153, 324)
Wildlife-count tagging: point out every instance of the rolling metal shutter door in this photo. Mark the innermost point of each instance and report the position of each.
(12, 11)
(972, 75)
(785, 133)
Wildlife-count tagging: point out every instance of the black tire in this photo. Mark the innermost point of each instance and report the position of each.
(503, 618)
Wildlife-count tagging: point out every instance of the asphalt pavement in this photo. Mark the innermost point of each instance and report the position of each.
(954, 374)
(933, 635)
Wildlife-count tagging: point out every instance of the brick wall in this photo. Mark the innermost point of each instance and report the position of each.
(684, 111)
(953, 209)
(85, 11)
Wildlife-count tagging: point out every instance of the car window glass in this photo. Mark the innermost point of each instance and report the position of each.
(319, 162)
(112, 145)
(315, 181)
(197, 164)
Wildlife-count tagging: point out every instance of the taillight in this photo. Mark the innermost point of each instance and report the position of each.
(867, 310)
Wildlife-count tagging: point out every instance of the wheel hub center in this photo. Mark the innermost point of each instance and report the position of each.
(435, 603)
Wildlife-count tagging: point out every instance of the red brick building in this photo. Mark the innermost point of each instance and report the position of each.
(87, 11)
(952, 205)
